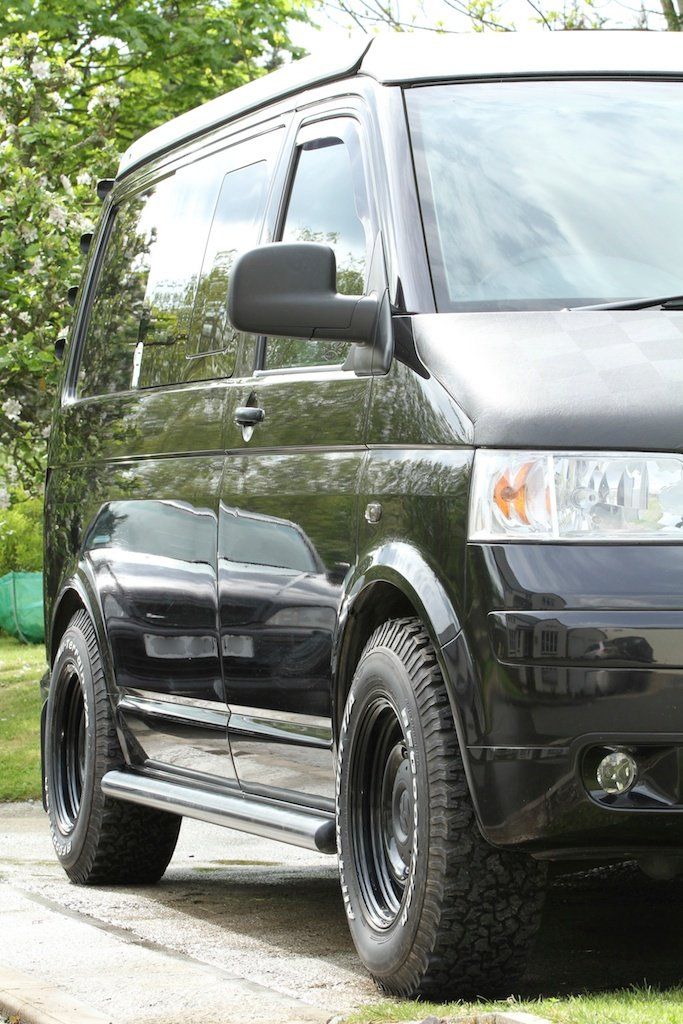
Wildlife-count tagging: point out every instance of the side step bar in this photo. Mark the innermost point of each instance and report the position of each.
(311, 829)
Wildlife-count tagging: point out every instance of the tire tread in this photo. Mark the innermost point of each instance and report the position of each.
(481, 905)
(125, 844)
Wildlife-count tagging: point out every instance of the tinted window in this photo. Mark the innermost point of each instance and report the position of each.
(146, 284)
(539, 195)
(235, 227)
(326, 204)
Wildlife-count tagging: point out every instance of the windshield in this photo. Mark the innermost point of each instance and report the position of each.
(541, 195)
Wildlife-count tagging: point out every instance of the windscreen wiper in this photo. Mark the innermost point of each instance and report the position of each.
(666, 302)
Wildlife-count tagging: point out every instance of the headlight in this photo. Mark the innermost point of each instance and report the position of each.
(576, 496)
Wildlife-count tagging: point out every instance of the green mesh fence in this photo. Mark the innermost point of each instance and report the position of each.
(21, 605)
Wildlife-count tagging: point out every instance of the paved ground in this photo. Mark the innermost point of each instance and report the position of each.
(243, 929)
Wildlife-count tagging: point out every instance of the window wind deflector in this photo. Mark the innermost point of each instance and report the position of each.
(665, 302)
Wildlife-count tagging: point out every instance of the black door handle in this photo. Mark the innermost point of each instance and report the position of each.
(249, 415)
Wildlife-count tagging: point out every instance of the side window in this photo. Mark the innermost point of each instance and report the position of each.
(114, 321)
(176, 226)
(235, 227)
(160, 299)
(328, 204)
(140, 315)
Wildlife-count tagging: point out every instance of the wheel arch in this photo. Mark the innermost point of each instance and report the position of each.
(75, 594)
(394, 580)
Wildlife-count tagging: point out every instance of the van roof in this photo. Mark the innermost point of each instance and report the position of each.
(394, 58)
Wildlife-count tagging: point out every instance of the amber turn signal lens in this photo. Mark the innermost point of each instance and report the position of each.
(509, 497)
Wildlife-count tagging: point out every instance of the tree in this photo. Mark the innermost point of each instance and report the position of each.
(79, 79)
(481, 15)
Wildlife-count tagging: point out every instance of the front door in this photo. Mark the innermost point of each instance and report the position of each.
(287, 529)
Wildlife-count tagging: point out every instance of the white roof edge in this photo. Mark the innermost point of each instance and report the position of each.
(393, 57)
(397, 57)
(290, 79)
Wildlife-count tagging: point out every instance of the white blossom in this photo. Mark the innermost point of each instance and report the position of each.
(103, 97)
(36, 266)
(57, 216)
(66, 184)
(40, 69)
(24, 317)
(11, 408)
(83, 178)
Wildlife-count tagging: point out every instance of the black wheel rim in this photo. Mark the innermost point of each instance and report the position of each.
(382, 810)
(68, 757)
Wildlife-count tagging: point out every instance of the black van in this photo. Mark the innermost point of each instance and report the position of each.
(364, 507)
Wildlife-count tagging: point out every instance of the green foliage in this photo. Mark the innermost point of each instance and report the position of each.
(79, 79)
(21, 667)
(21, 537)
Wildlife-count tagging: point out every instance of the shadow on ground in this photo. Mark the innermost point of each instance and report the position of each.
(601, 931)
(608, 929)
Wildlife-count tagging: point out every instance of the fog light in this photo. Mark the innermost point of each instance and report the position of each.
(617, 772)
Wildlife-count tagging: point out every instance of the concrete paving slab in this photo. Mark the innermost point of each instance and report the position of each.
(29, 998)
(125, 981)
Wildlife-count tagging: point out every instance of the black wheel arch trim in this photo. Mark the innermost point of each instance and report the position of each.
(404, 568)
(79, 589)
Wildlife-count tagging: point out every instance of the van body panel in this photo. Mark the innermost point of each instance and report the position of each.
(597, 380)
(278, 620)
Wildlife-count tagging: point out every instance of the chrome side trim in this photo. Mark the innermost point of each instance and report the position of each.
(173, 698)
(311, 830)
(317, 722)
(285, 726)
(173, 711)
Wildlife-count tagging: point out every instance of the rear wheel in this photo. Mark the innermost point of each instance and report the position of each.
(97, 840)
(433, 909)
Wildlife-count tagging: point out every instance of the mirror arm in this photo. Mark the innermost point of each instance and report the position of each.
(360, 329)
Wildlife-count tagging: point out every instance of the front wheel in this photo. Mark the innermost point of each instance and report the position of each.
(434, 910)
(97, 840)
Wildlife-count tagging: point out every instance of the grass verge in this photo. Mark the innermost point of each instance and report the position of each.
(21, 667)
(625, 1006)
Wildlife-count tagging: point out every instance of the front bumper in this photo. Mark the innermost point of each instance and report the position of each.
(574, 650)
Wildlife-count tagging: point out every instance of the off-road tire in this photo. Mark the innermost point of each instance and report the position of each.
(468, 912)
(99, 841)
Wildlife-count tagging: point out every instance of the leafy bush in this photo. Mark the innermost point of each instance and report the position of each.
(21, 537)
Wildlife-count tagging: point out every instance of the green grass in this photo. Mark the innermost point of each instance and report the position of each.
(625, 1006)
(21, 667)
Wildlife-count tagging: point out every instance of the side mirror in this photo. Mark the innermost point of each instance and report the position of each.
(60, 345)
(104, 187)
(291, 290)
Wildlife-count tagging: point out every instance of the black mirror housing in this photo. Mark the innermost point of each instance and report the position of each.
(60, 345)
(290, 289)
(104, 187)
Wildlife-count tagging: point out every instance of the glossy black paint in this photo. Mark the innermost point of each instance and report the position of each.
(578, 647)
(234, 578)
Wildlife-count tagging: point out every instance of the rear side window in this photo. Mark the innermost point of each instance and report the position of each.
(160, 301)
(146, 284)
(235, 228)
